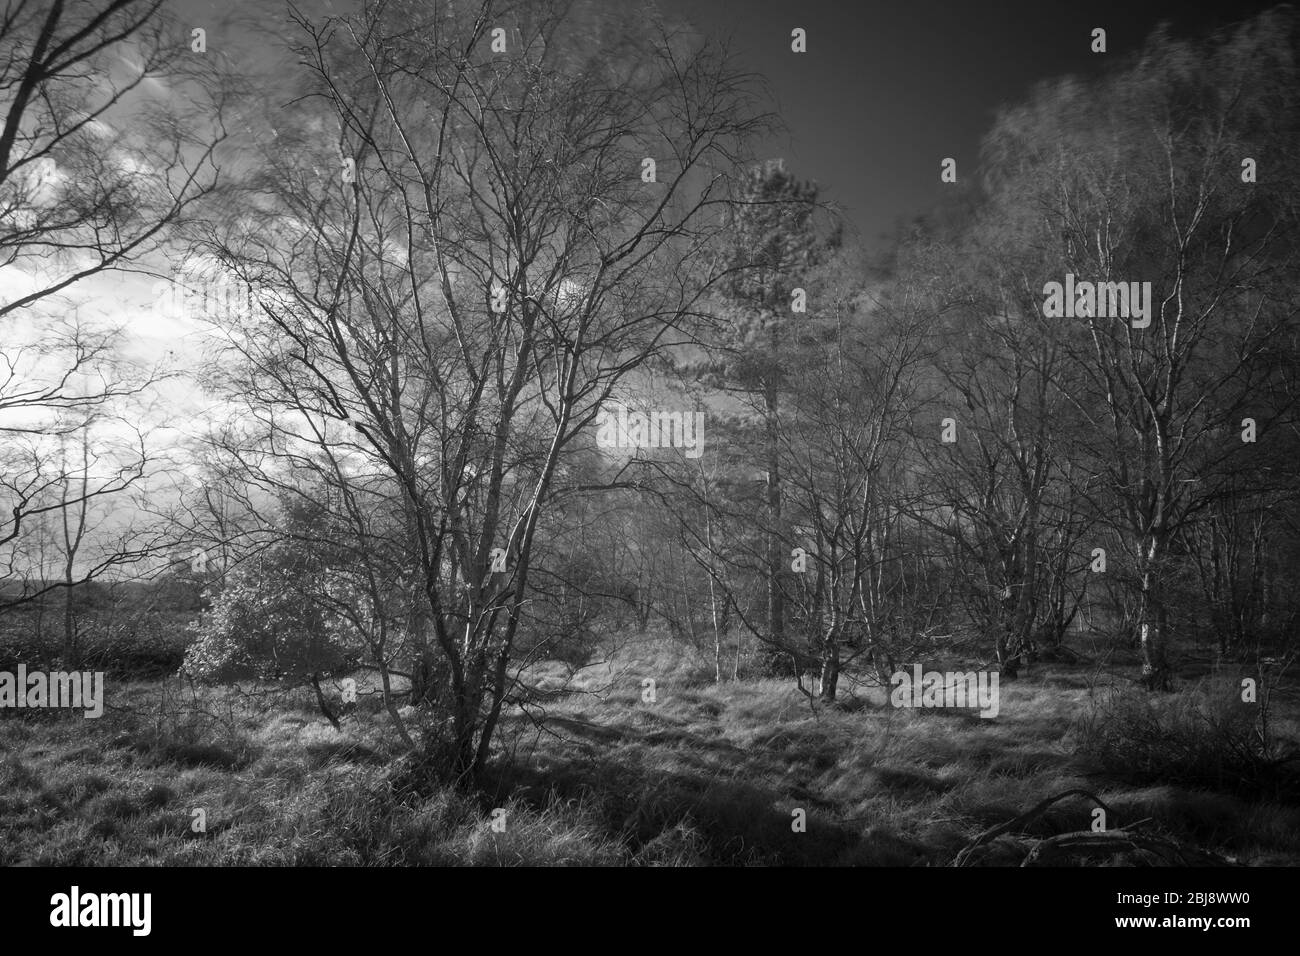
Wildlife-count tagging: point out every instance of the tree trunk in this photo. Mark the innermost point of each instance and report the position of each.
(713, 596)
(775, 601)
(71, 654)
(1008, 657)
(463, 727)
(390, 705)
(423, 680)
(830, 671)
(735, 664)
(1008, 641)
(1153, 633)
(323, 704)
(690, 613)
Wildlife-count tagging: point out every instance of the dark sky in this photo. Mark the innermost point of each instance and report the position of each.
(888, 88)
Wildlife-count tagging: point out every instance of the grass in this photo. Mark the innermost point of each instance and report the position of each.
(705, 774)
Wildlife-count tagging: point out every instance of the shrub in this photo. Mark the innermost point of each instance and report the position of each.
(270, 621)
(1203, 737)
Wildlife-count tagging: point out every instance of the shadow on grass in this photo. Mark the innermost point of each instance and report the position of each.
(659, 786)
(730, 822)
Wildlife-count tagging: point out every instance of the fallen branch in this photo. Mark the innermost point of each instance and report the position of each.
(1168, 852)
(1056, 849)
(1019, 822)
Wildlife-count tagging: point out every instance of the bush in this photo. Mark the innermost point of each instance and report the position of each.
(270, 622)
(1205, 737)
(771, 661)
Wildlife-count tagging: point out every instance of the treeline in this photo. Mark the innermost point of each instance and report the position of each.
(931, 459)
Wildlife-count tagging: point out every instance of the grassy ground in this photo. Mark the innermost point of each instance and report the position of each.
(706, 774)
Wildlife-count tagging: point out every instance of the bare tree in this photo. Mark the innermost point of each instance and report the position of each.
(95, 170)
(1145, 180)
(482, 221)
